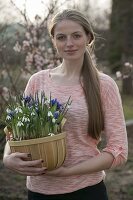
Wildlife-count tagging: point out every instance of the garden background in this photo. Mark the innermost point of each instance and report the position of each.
(25, 48)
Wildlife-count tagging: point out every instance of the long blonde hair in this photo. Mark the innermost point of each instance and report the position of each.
(89, 72)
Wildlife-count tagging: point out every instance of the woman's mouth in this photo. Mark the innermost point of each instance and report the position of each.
(70, 51)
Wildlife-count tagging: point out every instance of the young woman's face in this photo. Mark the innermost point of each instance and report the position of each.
(70, 40)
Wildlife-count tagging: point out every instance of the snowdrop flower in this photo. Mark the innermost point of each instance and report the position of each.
(10, 114)
(18, 110)
(8, 110)
(47, 102)
(8, 117)
(25, 119)
(19, 124)
(50, 114)
(51, 134)
(33, 114)
(53, 120)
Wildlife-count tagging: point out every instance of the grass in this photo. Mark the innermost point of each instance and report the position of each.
(130, 190)
(127, 102)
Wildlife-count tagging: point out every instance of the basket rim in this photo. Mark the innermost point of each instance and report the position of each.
(38, 140)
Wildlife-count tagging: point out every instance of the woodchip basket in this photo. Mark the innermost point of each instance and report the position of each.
(51, 149)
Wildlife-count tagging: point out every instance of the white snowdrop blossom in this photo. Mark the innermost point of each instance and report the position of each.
(25, 119)
(32, 114)
(18, 110)
(53, 120)
(8, 117)
(51, 134)
(36, 116)
(47, 102)
(19, 124)
(50, 114)
(8, 110)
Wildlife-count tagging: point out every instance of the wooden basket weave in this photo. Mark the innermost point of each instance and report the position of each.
(51, 149)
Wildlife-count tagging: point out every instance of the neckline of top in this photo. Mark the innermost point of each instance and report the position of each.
(62, 85)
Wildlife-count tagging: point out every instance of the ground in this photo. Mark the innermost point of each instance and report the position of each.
(119, 181)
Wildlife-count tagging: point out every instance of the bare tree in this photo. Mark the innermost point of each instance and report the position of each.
(121, 42)
(29, 51)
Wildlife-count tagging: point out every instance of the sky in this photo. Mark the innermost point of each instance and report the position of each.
(36, 7)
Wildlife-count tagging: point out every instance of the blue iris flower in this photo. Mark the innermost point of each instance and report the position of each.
(11, 114)
(54, 101)
(30, 104)
(58, 105)
(56, 114)
(27, 99)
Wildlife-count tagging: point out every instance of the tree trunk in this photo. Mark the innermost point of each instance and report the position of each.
(121, 33)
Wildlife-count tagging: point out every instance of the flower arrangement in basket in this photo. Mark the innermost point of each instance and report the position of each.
(36, 127)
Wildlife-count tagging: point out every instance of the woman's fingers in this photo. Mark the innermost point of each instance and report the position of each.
(32, 167)
(27, 157)
(22, 155)
(34, 163)
(20, 163)
(29, 162)
(32, 171)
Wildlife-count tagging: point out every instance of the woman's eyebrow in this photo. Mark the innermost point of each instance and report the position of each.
(58, 34)
(66, 34)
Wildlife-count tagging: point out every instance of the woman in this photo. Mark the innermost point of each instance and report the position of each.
(96, 108)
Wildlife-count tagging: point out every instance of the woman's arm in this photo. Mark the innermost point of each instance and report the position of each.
(98, 163)
(21, 163)
(7, 150)
(115, 127)
(116, 151)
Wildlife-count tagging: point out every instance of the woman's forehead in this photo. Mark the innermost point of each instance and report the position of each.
(68, 26)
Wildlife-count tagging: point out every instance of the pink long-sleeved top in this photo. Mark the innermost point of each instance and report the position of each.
(80, 146)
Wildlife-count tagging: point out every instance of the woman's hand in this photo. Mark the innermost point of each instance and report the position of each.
(21, 163)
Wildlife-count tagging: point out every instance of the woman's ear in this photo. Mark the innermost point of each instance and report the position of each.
(53, 41)
(90, 39)
(54, 45)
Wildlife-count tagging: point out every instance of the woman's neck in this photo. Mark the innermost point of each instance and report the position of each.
(71, 69)
(68, 73)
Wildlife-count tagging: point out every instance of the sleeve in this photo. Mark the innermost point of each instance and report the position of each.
(114, 127)
(36, 82)
(30, 87)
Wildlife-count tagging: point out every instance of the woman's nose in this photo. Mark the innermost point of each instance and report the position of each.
(69, 42)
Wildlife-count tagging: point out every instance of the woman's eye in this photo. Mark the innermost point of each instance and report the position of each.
(77, 36)
(62, 37)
